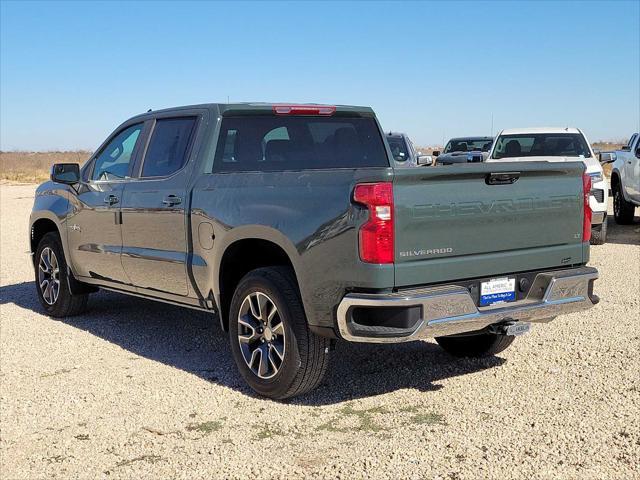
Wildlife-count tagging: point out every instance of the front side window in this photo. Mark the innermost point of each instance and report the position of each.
(167, 151)
(541, 145)
(114, 160)
(276, 143)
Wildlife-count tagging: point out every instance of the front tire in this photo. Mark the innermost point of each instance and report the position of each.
(274, 350)
(52, 284)
(477, 345)
(623, 211)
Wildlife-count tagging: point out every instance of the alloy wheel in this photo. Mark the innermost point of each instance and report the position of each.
(261, 335)
(49, 276)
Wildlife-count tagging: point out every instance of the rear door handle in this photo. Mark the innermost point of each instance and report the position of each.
(171, 200)
(111, 200)
(502, 178)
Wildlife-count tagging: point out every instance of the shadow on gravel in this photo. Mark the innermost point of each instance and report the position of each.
(192, 341)
(623, 234)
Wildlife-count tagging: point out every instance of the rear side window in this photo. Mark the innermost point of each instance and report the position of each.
(274, 143)
(167, 151)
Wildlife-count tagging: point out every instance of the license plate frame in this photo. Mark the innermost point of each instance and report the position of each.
(497, 290)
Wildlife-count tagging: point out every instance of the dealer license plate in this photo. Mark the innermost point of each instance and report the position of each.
(497, 290)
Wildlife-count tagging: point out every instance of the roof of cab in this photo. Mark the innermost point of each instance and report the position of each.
(524, 131)
(470, 138)
(261, 108)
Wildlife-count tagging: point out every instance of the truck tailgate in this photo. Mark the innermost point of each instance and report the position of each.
(483, 219)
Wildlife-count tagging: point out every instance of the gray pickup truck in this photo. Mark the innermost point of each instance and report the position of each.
(291, 222)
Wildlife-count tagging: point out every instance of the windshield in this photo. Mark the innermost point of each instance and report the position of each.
(468, 145)
(541, 145)
(398, 148)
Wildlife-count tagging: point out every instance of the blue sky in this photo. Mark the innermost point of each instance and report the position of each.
(70, 72)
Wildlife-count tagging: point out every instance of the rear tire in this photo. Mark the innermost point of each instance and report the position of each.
(480, 345)
(52, 284)
(623, 211)
(599, 233)
(295, 358)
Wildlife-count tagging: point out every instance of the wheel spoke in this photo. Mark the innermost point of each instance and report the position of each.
(47, 293)
(48, 258)
(263, 306)
(263, 368)
(55, 288)
(255, 307)
(279, 350)
(254, 356)
(272, 359)
(272, 313)
(278, 329)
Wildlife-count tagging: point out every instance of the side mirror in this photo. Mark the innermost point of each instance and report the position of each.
(607, 157)
(67, 173)
(425, 160)
(435, 153)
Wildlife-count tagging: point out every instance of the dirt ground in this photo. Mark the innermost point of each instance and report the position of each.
(136, 389)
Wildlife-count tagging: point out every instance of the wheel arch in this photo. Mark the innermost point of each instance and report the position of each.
(243, 254)
(39, 228)
(616, 180)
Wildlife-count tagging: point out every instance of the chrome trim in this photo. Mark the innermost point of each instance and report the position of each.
(450, 309)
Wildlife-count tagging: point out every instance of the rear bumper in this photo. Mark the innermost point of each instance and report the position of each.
(450, 309)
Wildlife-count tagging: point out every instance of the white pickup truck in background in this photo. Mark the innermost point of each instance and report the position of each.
(558, 145)
(625, 179)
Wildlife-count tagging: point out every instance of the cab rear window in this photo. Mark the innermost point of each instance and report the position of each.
(541, 145)
(276, 143)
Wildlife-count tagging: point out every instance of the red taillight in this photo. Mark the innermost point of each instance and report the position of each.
(376, 235)
(304, 109)
(586, 219)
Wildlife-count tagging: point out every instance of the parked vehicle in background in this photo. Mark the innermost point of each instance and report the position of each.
(625, 179)
(290, 222)
(404, 153)
(464, 150)
(558, 145)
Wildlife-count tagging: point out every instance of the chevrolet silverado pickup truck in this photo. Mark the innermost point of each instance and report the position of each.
(625, 179)
(292, 223)
(558, 145)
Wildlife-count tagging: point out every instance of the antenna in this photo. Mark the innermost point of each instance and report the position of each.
(227, 99)
(492, 124)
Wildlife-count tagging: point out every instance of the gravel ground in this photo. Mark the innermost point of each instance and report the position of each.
(139, 389)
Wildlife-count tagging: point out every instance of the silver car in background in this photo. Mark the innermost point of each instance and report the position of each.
(404, 153)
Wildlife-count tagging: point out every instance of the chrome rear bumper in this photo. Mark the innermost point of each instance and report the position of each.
(450, 309)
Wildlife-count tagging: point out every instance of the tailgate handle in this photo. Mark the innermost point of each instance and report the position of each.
(502, 178)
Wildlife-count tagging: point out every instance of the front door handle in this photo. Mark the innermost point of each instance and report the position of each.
(171, 200)
(111, 200)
